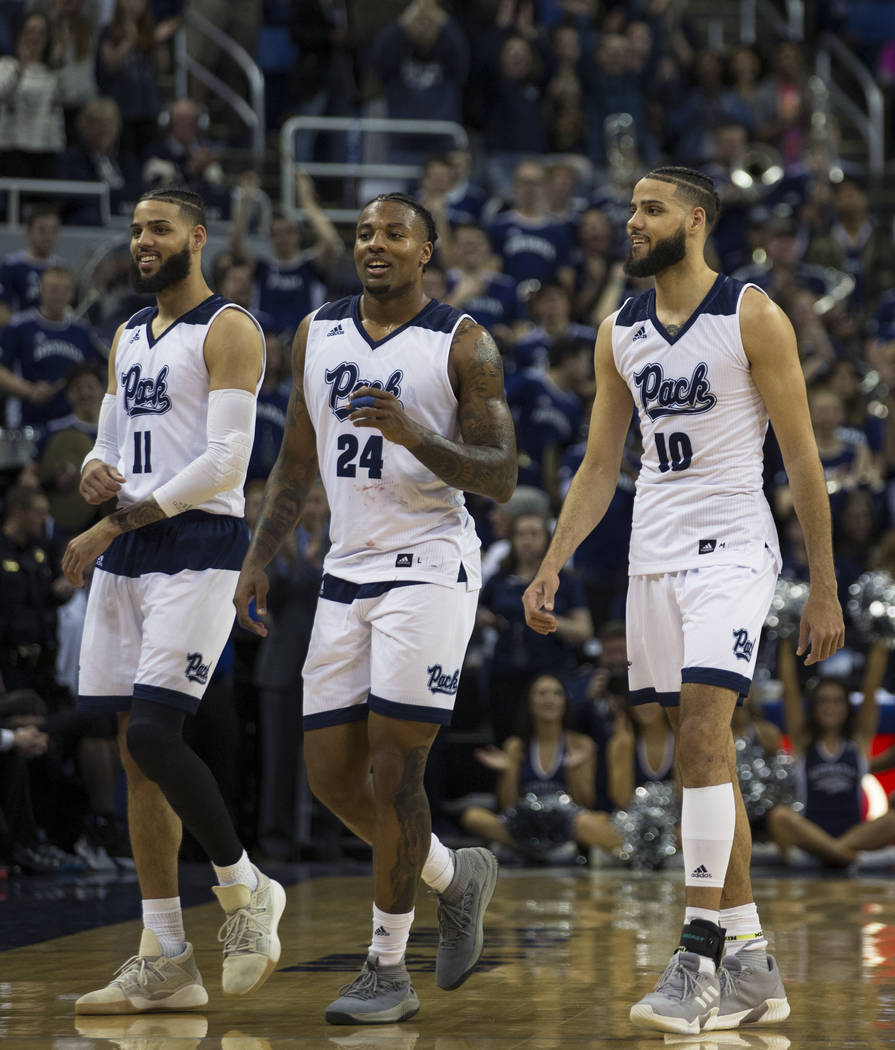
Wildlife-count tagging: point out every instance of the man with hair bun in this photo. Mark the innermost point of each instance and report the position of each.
(706, 361)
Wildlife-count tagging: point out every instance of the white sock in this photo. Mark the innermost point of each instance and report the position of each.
(438, 871)
(242, 871)
(742, 929)
(390, 935)
(701, 913)
(164, 917)
(708, 816)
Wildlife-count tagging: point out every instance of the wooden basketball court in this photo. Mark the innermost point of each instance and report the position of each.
(567, 953)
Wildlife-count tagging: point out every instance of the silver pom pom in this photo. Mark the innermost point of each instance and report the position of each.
(541, 822)
(765, 780)
(871, 605)
(647, 826)
(785, 612)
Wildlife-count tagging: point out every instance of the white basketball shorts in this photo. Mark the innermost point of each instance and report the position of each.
(696, 625)
(160, 611)
(393, 648)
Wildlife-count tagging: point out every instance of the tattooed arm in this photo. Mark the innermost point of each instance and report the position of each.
(485, 460)
(284, 495)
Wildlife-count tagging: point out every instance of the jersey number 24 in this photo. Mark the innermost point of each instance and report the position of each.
(370, 458)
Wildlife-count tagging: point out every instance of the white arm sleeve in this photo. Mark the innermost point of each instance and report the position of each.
(222, 466)
(106, 446)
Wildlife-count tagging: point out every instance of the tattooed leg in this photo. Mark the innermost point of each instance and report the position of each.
(402, 829)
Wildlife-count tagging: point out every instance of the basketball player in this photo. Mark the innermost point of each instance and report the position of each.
(400, 400)
(175, 433)
(705, 360)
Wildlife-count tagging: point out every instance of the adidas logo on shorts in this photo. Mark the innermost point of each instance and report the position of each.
(381, 931)
(702, 872)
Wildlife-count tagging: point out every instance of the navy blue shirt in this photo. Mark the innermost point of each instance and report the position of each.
(519, 649)
(498, 304)
(20, 278)
(544, 415)
(37, 349)
(530, 250)
(532, 350)
(270, 423)
(603, 552)
(288, 291)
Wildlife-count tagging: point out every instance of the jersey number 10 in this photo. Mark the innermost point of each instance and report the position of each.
(680, 449)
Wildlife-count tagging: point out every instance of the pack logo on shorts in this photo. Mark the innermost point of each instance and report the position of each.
(441, 681)
(404, 561)
(196, 671)
(707, 546)
(742, 644)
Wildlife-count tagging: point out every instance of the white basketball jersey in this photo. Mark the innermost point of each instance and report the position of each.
(162, 402)
(391, 517)
(699, 498)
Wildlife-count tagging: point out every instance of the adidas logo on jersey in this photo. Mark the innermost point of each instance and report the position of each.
(639, 334)
(338, 330)
(702, 872)
(707, 546)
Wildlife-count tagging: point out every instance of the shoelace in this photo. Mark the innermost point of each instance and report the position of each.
(241, 931)
(144, 969)
(453, 917)
(366, 984)
(673, 971)
(729, 978)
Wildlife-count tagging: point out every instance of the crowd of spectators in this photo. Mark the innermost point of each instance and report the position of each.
(566, 102)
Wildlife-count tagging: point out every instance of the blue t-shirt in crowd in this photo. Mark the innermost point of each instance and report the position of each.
(498, 304)
(603, 553)
(544, 415)
(532, 350)
(270, 423)
(20, 278)
(531, 250)
(37, 349)
(288, 291)
(520, 648)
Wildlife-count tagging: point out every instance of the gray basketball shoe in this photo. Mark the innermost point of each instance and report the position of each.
(461, 913)
(378, 995)
(684, 1000)
(749, 994)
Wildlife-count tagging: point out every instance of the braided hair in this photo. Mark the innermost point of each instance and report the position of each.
(695, 187)
(188, 201)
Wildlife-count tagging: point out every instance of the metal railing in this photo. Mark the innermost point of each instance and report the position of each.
(250, 113)
(58, 188)
(869, 122)
(791, 23)
(355, 169)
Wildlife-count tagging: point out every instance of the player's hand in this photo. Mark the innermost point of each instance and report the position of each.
(83, 550)
(372, 407)
(538, 602)
(99, 482)
(252, 586)
(822, 624)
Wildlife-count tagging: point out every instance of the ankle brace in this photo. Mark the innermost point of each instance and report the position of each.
(703, 938)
